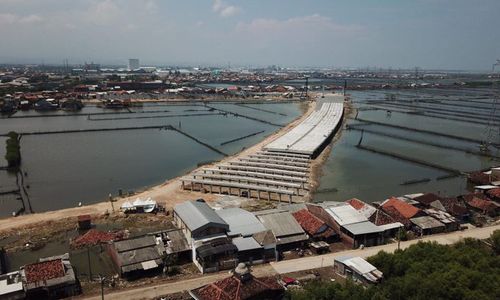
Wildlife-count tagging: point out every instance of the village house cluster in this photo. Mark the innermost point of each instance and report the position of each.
(232, 238)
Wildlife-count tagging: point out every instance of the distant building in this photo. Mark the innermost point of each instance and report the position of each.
(357, 269)
(133, 64)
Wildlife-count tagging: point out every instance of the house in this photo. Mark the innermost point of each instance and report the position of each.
(455, 208)
(243, 226)
(137, 256)
(400, 211)
(11, 286)
(268, 241)
(357, 269)
(215, 254)
(46, 104)
(288, 232)
(352, 226)
(50, 278)
(383, 220)
(176, 244)
(364, 208)
(198, 220)
(314, 226)
(427, 225)
(242, 285)
(426, 199)
(450, 223)
(241, 222)
(482, 205)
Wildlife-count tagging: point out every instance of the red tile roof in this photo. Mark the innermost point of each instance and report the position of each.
(483, 205)
(494, 193)
(479, 178)
(309, 222)
(406, 210)
(94, 237)
(381, 218)
(454, 207)
(356, 203)
(233, 288)
(470, 196)
(44, 271)
(397, 216)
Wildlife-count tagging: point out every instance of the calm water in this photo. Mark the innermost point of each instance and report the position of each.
(353, 172)
(65, 169)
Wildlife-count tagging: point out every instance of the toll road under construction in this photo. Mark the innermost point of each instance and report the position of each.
(315, 132)
(281, 170)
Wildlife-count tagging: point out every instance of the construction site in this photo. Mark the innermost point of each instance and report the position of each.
(280, 170)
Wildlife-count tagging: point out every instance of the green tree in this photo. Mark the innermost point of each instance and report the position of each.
(495, 240)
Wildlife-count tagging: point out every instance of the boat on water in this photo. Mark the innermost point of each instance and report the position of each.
(139, 205)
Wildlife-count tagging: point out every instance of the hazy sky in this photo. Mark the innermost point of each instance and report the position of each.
(447, 34)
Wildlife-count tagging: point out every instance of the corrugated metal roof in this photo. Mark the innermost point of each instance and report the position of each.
(281, 223)
(391, 226)
(241, 222)
(246, 243)
(345, 214)
(361, 265)
(136, 243)
(426, 222)
(292, 239)
(363, 228)
(196, 214)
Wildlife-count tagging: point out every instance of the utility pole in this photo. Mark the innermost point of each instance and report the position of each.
(90, 267)
(101, 280)
(399, 238)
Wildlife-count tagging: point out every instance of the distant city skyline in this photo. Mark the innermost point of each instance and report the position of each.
(431, 34)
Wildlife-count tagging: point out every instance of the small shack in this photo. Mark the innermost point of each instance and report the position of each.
(137, 256)
(288, 232)
(84, 222)
(357, 269)
(215, 254)
(427, 225)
